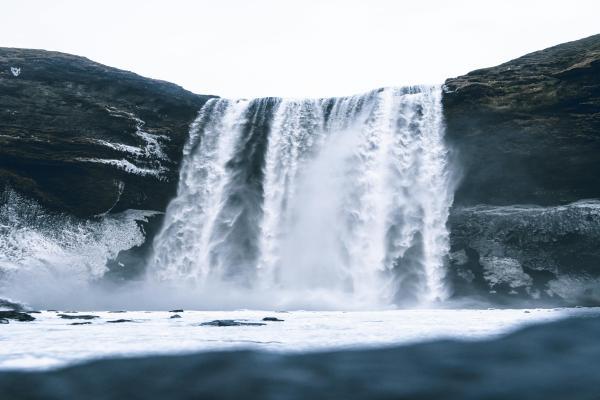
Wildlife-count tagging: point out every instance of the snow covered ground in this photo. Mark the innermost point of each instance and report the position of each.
(51, 341)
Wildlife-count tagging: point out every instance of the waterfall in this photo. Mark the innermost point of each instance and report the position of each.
(342, 198)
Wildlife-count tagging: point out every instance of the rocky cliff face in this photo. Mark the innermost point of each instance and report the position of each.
(83, 138)
(528, 132)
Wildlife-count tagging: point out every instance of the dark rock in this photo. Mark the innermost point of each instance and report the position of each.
(549, 362)
(176, 311)
(272, 319)
(230, 322)
(82, 316)
(175, 316)
(119, 321)
(16, 315)
(64, 110)
(526, 131)
(3, 321)
(545, 254)
(80, 323)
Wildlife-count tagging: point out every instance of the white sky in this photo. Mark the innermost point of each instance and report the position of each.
(296, 48)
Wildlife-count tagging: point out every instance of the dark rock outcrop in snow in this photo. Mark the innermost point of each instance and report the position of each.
(16, 316)
(272, 319)
(77, 316)
(230, 322)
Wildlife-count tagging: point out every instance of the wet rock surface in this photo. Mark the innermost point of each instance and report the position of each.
(538, 363)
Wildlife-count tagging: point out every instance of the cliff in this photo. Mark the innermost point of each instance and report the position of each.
(528, 132)
(84, 138)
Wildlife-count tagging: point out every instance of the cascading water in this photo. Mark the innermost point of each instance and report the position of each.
(342, 199)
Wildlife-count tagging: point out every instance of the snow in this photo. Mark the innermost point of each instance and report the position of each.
(52, 342)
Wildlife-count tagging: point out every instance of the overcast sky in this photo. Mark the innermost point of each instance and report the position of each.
(296, 48)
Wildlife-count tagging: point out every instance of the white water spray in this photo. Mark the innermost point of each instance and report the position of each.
(343, 198)
(190, 218)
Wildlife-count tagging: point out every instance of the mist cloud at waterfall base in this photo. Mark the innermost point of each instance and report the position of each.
(144, 295)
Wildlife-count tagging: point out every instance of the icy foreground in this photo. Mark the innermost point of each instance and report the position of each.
(541, 362)
(52, 341)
